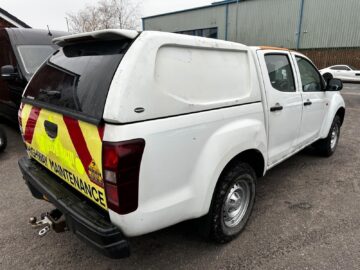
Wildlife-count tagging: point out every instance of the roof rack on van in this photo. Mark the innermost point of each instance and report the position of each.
(108, 34)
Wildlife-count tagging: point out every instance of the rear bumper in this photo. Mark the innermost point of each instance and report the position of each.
(82, 219)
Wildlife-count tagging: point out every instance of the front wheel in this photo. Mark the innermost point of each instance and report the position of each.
(232, 204)
(327, 146)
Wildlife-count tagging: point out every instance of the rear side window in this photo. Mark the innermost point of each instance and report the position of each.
(280, 72)
(340, 68)
(78, 77)
(32, 56)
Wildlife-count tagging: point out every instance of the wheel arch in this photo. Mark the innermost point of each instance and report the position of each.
(341, 113)
(337, 107)
(253, 157)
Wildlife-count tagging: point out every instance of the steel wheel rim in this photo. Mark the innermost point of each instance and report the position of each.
(236, 203)
(334, 136)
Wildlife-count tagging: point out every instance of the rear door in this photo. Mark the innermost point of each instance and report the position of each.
(61, 113)
(284, 103)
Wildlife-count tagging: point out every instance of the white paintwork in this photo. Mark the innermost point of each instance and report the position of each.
(177, 74)
(182, 161)
(205, 101)
(348, 75)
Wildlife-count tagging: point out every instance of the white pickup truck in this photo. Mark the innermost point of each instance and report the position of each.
(128, 133)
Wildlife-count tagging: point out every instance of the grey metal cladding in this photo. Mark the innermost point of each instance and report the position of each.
(323, 23)
(213, 16)
(331, 24)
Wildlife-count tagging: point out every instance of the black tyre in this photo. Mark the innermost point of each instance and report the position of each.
(3, 140)
(326, 147)
(232, 203)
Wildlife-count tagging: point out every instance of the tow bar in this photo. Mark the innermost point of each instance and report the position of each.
(53, 220)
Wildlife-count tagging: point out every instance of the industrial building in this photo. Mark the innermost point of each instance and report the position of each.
(325, 30)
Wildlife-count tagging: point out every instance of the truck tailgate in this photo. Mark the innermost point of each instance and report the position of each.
(68, 147)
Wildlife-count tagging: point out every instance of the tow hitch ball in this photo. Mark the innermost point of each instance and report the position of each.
(53, 220)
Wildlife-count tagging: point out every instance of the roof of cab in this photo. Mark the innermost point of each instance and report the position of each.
(108, 34)
(273, 48)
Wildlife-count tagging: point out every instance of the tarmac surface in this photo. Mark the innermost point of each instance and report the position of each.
(306, 216)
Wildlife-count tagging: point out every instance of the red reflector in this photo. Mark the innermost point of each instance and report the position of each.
(121, 169)
(112, 195)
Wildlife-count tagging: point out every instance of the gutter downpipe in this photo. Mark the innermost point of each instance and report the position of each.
(301, 16)
(226, 21)
(237, 15)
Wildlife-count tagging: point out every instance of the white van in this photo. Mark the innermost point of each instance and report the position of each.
(128, 133)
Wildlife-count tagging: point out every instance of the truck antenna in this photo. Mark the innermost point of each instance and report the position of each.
(49, 33)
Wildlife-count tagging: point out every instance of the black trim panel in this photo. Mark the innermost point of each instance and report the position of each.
(63, 111)
(82, 219)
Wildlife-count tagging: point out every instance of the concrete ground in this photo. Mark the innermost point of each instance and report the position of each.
(306, 216)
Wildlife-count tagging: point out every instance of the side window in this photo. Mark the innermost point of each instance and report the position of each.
(280, 72)
(310, 78)
(341, 68)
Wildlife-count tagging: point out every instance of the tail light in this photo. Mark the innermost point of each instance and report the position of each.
(121, 169)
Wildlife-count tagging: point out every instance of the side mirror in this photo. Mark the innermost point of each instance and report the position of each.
(8, 72)
(327, 77)
(334, 85)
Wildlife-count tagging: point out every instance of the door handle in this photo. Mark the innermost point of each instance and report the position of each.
(276, 108)
(307, 103)
(51, 129)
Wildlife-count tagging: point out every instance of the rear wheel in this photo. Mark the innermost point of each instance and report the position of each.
(3, 140)
(327, 146)
(232, 203)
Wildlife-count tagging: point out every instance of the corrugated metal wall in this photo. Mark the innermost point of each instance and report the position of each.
(329, 29)
(265, 22)
(325, 23)
(191, 20)
(331, 24)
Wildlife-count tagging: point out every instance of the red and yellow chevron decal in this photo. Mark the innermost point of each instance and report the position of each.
(75, 154)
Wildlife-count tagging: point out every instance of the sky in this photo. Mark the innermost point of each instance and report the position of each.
(39, 13)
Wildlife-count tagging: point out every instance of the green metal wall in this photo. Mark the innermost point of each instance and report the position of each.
(265, 22)
(331, 24)
(323, 23)
(191, 20)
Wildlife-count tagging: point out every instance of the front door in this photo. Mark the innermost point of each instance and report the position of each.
(315, 102)
(284, 104)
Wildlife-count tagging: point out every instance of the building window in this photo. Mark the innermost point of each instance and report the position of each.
(206, 32)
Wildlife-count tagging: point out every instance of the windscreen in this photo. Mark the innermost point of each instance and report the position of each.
(77, 77)
(32, 56)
